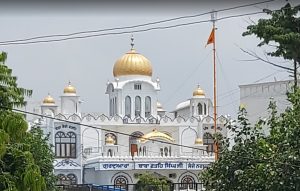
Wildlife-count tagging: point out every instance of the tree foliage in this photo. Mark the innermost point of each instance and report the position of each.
(25, 157)
(151, 182)
(282, 31)
(256, 161)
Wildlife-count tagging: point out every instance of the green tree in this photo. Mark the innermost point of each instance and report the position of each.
(21, 167)
(282, 32)
(42, 154)
(150, 182)
(256, 161)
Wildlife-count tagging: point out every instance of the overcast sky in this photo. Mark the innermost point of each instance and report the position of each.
(178, 55)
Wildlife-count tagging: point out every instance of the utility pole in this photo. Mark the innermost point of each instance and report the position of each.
(213, 19)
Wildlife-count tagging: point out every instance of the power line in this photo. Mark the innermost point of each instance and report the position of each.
(149, 139)
(128, 32)
(134, 26)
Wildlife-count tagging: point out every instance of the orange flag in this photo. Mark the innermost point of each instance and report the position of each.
(211, 38)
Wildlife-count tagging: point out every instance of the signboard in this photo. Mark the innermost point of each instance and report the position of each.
(153, 166)
(59, 126)
(161, 165)
(115, 166)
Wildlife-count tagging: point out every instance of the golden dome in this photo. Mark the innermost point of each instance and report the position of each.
(70, 89)
(132, 63)
(109, 140)
(156, 135)
(198, 92)
(198, 141)
(48, 100)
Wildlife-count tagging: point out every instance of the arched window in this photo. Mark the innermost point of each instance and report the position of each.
(133, 141)
(113, 106)
(138, 105)
(188, 182)
(61, 179)
(166, 151)
(109, 153)
(113, 136)
(205, 109)
(128, 106)
(121, 182)
(147, 107)
(116, 106)
(200, 109)
(72, 178)
(144, 151)
(65, 145)
(110, 107)
(193, 110)
(161, 152)
(66, 180)
(170, 152)
(208, 140)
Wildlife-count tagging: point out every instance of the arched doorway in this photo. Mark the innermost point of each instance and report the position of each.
(133, 142)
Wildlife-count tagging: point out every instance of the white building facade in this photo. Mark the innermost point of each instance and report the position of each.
(137, 134)
(256, 98)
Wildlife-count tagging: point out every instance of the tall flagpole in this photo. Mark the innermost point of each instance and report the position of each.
(213, 18)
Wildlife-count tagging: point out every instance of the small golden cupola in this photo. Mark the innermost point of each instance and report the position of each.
(48, 100)
(199, 92)
(109, 141)
(69, 89)
(158, 105)
(198, 141)
(132, 63)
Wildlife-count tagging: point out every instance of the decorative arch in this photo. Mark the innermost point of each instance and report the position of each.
(74, 117)
(121, 181)
(188, 137)
(200, 109)
(147, 106)
(66, 180)
(128, 106)
(110, 153)
(126, 175)
(61, 116)
(188, 182)
(138, 106)
(133, 142)
(187, 173)
(65, 145)
(91, 139)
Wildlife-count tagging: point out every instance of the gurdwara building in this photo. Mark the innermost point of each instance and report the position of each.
(136, 136)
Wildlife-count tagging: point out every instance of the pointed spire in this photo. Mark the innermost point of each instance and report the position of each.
(132, 42)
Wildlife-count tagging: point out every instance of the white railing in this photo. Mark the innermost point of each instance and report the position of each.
(150, 158)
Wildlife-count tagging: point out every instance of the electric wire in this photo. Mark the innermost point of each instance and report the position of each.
(129, 32)
(138, 25)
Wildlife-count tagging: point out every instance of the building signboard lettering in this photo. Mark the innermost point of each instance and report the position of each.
(153, 166)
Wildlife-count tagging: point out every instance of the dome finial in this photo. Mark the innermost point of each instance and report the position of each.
(69, 89)
(132, 42)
